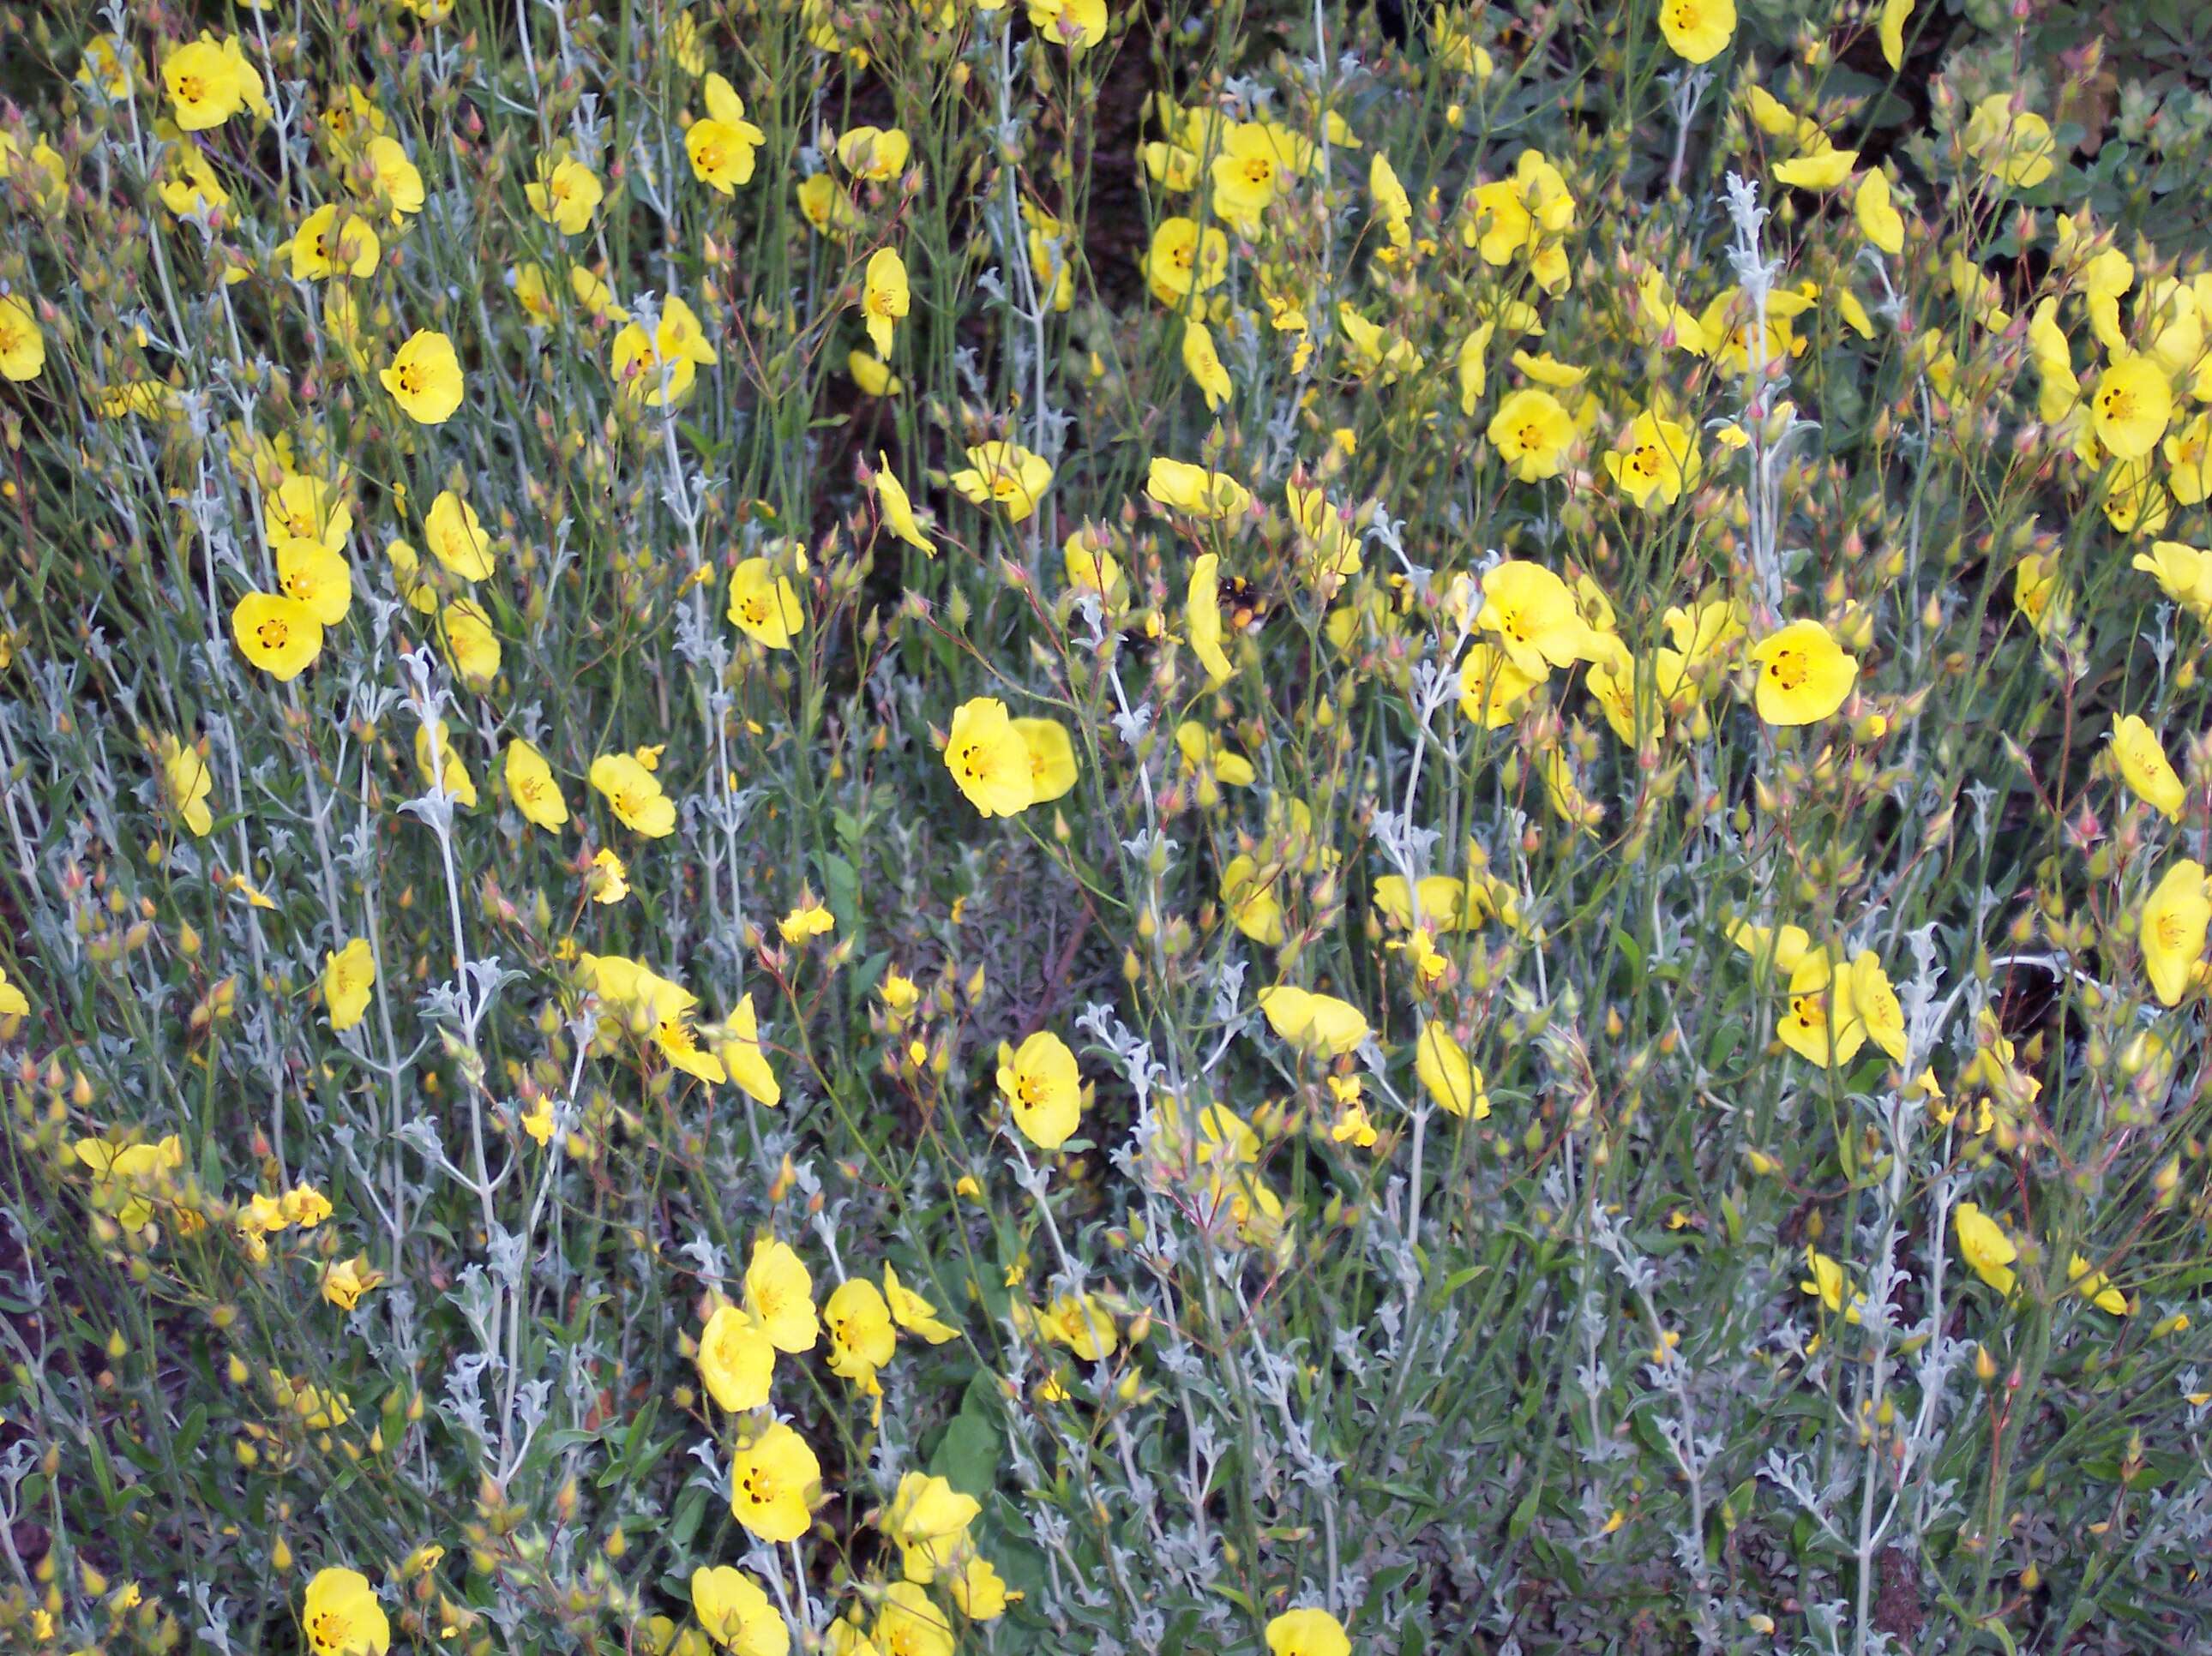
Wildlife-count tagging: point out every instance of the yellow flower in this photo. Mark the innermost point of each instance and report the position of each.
(531, 785)
(347, 977)
(1180, 261)
(1493, 687)
(721, 147)
(809, 919)
(425, 378)
(1532, 434)
(1307, 1631)
(861, 1337)
(1202, 618)
(1447, 1074)
(1823, 170)
(780, 1294)
(1007, 475)
(1533, 617)
(825, 205)
(773, 1481)
(737, 1614)
(458, 540)
(607, 878)
(393, 178)
(1074, 24)
(1985, 1246)
(342, 1616)
(1804, 674)
(737, 1359)
(763, 605)
(2145, 768)
(332, 241)
(2175, 920)
(565, 195)
(1052, 758)
(1875, 1005)
(2130, 409)
(318, 578)
(205, 83)
(1252, 906)
(1043, 1088)
(898, 508)
(913, 1312)
(344, 1282)
(470, 645)
(978, 1589)
(885, 297)
(1878, 221)
(876, 154)
(929, 1519)
(22, 343)
(1822, 1025)
(2189, 457)
(1204, 365)
(1658, 459)
(278, 635)
(988, 759)
(2015, 146)
(1320, 1025)
(1889, 30)
(1831, 1285)
(740, 1052)
(908, 1623)
(186, 783)
(2095, 1287)
(2182, 572)
(1179, 486)
(874, 378)
(451, 773)
(634, 794)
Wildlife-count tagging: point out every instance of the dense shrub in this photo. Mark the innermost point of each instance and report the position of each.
(890, 826)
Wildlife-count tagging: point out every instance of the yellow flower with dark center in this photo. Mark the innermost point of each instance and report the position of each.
(764, 605)
(1657, 460)
(425, 378)
(634, 795)
(1532, 434)
(332, 241)
(862, 1337)
(1699, 31)
(720, 148)
(342, 1616)
(988, 759)
(1804, 674)
(2130, 407)
(1043, 1088)
(773, 1481)
(277, 633)
(22, 343)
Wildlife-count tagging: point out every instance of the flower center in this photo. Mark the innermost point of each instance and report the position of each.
(273, 634)
(1789, 668)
